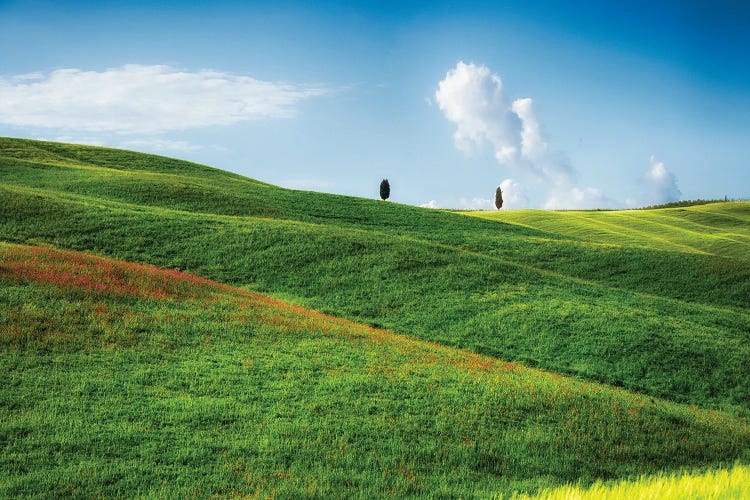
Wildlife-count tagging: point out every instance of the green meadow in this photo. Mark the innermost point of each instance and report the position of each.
(129, 380)
(170, 329)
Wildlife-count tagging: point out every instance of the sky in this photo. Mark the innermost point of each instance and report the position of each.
(592, 105)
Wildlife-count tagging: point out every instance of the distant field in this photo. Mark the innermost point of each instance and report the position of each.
(124, 380)
(721, 229)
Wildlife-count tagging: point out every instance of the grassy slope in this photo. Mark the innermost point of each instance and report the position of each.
(671, 322)
(730, 484)
(122, 380)
(718, 228)
(161, 182)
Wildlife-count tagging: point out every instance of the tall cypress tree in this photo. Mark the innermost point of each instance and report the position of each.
(498, 198)
(385, 189)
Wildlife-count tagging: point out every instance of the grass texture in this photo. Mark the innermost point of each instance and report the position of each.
(128, 380)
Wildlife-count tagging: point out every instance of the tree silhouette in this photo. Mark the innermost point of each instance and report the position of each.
(385, 189)
(498, 198)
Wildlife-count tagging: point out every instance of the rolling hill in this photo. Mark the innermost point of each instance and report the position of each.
(719, 229)
(123, 379)
(655, 302)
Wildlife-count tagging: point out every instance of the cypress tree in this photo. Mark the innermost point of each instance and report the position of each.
(385, 189)
(498, 198)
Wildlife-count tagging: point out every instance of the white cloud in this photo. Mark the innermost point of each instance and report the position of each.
(476, 203)
(472, 97)
(514, 195)
(575, 198)
(660, 185)
(28, 76)
(144, 99)
(532, 145)
(430, 204)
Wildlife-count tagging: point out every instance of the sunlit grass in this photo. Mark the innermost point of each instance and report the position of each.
(724, 484)
(721, 229)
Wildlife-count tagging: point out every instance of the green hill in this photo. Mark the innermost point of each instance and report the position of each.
(652, 311)
(125, 380)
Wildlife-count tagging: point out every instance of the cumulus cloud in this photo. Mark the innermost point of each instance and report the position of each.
(472, 97)
(532, 145)
(430, 204)
(660, 185)
(141, 99)
(514, 195)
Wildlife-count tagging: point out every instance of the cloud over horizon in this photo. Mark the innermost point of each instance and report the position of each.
(144, 99)
(659, 184)
(472, 97)
(514, 195)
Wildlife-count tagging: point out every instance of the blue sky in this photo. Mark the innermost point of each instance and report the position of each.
(631, 103)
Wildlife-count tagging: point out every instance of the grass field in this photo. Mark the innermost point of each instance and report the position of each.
(649, 301)
(125, 379)
(712, 229)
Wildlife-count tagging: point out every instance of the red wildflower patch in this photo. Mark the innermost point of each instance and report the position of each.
(75, 270)
(98, 274)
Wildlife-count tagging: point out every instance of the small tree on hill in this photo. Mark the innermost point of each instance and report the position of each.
(385, 189)
(498, 198)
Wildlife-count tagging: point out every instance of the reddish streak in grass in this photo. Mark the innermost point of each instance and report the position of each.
(97, 274)
(109, 276)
